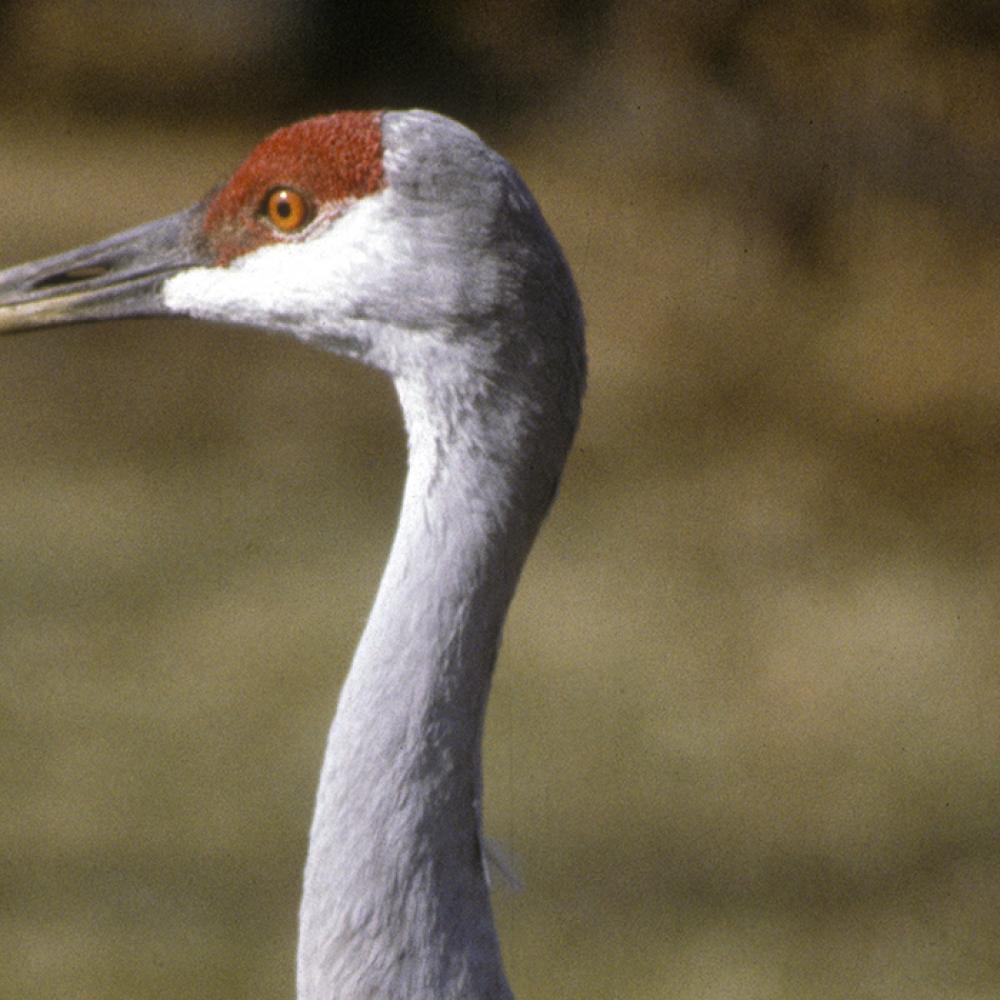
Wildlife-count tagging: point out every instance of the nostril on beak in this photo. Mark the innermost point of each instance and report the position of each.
(73, 275)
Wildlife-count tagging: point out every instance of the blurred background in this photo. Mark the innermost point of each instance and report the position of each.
(744, 740)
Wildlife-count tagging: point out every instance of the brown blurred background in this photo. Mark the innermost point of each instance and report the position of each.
(745, 734)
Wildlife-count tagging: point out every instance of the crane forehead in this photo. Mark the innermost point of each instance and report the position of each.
(330, 158)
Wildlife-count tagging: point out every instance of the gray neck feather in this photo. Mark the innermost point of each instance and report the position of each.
(395, 900)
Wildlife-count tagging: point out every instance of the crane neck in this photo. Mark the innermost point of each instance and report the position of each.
(395, 900)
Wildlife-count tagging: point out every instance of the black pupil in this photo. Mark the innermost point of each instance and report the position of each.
(284, 209)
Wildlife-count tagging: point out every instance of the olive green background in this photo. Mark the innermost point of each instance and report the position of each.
(744, 739)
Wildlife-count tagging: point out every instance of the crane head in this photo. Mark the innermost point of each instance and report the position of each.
(383, 235)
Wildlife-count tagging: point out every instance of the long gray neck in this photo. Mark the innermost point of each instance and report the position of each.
(395, 901)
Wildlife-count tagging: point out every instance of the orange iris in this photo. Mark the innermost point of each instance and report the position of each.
(286, 209)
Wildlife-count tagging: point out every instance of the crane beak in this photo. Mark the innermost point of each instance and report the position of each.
(115, 278)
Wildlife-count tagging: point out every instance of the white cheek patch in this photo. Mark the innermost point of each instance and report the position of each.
(306, 286)
(377, 283)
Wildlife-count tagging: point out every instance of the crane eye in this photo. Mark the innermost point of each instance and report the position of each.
(286, 209)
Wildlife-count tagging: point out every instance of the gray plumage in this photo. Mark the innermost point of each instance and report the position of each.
(448, 279)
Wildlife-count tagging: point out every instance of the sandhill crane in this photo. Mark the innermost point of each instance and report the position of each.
(401, 240)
